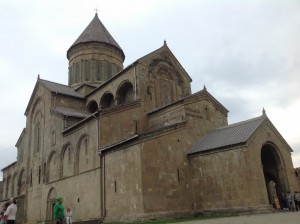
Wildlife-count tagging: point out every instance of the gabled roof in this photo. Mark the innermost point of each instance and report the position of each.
(60, 88)
(202, 92)
(8, 166)
(229, 135)
(69, 112)
(140, 60)
(166, 48)
(96, 32)
(55, 88)
(20, 138)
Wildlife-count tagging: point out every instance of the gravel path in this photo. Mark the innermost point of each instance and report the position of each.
(274, 218)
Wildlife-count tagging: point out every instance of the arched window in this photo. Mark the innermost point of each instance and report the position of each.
(53, 138)
(165, 86)
(77, 75)
(92, 106)
(53, 167)
(50, 203)
(85, 155)
(125, 93)
(14, 186)
(7, 189)
(68, 161)
(37, 137)
(22, 183)
(107, 101)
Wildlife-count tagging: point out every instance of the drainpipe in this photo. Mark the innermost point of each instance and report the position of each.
(101, 179)
(103, 187)
(98, 131)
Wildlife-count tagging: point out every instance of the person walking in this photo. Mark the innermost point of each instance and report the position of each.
(59, 211)
(297, 200)
(290, 201)
(284, 202)
(11, 211)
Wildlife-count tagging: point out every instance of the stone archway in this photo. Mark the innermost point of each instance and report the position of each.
(273, 169)
(51, 202)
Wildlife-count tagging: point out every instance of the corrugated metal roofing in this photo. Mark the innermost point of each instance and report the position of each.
(70, 112)
(96, 32)
(59, 88)
(228, 135)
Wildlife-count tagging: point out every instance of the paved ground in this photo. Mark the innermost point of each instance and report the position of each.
(274, 218)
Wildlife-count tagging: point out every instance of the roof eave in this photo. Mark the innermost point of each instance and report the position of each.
(101, 42)
(218, 149)
(8, 166)
(111, 147)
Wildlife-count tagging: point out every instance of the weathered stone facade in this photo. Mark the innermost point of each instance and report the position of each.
(134, 143)
(297, 173)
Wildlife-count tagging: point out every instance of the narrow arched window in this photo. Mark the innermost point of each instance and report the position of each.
(37, 137)
(53, 138)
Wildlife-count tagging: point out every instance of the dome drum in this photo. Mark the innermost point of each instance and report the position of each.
(96, 48)
(95, 56)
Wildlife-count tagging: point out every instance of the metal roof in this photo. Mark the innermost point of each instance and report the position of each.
(96, 32)
(229, 135)
(60, 88)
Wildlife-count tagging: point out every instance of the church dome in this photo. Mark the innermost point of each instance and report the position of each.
(95, 56)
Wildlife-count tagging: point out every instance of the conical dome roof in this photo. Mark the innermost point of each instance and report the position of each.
(95, 56)
(96, 32)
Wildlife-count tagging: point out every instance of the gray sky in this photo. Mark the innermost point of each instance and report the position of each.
(247, 53)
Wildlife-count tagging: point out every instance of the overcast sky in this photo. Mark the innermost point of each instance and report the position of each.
(246, 53)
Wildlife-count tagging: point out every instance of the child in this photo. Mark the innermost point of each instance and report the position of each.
(69, 216)
(2, 217)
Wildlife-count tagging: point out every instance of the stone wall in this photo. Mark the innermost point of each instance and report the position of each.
(123, 184)
(226, 179)
(165, 172)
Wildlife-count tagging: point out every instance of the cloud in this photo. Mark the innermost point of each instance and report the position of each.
(8, 156)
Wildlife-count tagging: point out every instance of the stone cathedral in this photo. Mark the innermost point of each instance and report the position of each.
(134, 143)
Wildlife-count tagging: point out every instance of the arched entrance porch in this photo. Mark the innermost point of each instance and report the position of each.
(50, 203)
(273, 168)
